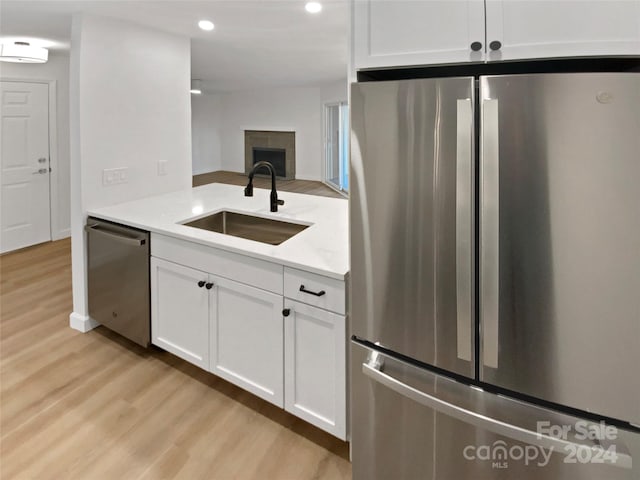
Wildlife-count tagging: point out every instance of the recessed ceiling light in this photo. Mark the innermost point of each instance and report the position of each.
(206, 25)
(23, 52)
(313, 7)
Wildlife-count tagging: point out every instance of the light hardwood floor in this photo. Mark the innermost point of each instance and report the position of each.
(95, 406)
(296, 186)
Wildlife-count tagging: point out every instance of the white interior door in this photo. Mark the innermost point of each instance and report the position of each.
(24, 165)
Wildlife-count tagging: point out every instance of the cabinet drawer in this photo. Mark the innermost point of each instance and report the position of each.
(316, 290)
(243, 269)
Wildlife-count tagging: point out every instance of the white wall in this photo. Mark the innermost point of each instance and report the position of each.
(130, 107)
(334, 92)
(57, 68)
(206, 119)
(294, 109)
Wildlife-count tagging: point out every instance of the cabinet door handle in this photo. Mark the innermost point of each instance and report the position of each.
(476, 46)
(201, 283)
(286, 312)
(495, 45)
(208, 286)
(317, 294)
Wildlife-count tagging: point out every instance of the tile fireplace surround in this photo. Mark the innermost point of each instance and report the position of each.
(271, 139)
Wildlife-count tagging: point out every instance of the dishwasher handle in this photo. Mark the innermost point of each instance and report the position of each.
(133, 241)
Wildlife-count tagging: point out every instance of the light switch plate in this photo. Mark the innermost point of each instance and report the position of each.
(162, 167)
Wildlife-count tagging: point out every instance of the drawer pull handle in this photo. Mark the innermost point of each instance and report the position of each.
(317, 294)
(201, 283)
(286, 312)
(208, 286)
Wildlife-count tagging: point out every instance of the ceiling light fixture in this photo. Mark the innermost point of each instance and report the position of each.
(206, 25)
(23, 52)
(313, 7)
(196, 87)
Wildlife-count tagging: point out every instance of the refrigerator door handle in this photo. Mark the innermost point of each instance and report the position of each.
(373, 370)
(489, 233)
(464, 228)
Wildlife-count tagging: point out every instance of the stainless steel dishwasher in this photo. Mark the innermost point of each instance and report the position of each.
(118, 279)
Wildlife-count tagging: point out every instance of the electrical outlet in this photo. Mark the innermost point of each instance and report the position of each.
(114, 176)
(162, 167)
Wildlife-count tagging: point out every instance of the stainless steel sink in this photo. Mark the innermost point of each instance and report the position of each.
(260, 229)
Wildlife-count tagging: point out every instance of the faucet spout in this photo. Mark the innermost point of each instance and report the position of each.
(248, 191)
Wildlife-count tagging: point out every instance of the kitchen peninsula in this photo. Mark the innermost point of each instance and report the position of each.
(268, 318)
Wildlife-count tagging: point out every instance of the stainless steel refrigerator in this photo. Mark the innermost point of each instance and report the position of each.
(495, 277)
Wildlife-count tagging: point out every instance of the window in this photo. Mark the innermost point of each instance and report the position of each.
(336, 150)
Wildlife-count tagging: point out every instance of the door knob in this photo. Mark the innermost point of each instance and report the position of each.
(286, 312)
(208, 286)
(201, 283)
(41, 171)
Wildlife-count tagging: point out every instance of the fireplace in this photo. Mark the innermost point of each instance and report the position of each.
(276, 147)
(275, 156)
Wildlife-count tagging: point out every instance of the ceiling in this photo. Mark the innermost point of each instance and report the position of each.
(255, 43)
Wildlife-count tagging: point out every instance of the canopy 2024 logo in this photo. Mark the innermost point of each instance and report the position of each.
(499, 453)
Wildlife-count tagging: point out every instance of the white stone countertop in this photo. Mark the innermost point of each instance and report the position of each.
(322, 248)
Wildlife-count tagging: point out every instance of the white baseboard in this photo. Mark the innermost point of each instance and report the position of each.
(307, 177)
(59, 235)
(82, 323)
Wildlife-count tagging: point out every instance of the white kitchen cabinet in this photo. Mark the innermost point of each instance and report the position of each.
(313, 289)
(246, 338)
(180, 311)
(561, 28)
(408, 32)
(224, 312)
(401, 33)
(315, 366)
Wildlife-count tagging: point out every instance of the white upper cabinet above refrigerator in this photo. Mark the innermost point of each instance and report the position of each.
(391, 33)
(409, 32)
(519, 29)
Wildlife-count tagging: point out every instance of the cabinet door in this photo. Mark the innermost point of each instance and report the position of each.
(315, 369)
(408, 32)
(180, 311)
(246, 338)
(562, 28)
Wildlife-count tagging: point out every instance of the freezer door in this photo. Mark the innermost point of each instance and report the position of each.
(412, 222)
(408, 423)
(560, 239)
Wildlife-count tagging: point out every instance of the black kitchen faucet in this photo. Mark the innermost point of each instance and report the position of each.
(248, 190)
